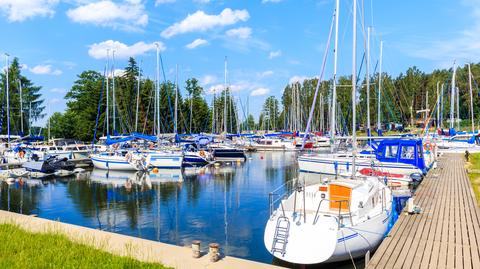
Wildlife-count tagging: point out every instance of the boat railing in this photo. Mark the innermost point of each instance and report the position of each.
(276, 197)
(341, 213)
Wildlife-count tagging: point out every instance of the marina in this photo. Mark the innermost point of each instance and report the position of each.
(331, 139)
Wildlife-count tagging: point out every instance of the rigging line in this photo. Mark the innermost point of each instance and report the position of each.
(325, 56)
(167, 87)
(98, 109)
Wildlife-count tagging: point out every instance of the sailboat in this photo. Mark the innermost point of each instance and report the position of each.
(332, 219)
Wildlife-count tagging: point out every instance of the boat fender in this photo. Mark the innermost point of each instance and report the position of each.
(128, 157)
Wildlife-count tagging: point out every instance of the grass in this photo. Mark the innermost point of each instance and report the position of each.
(22, 249)
(474, 164)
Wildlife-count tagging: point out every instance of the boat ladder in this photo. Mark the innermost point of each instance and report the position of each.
(280, 239)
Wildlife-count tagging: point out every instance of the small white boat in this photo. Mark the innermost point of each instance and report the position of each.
(119, 161)
(163, 159)
(273, 144)
(330, 221)
(63, 173)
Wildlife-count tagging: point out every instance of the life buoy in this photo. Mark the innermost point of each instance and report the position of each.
(427, 146)
(21, 154)
(202, 153)
(128, 157)
(115, 146)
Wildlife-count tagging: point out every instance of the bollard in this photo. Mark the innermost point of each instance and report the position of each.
(213, 250)
(196, 248)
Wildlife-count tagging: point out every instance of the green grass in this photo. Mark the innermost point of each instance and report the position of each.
(21, 249)
(474, 164)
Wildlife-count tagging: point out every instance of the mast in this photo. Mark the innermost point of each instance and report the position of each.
(30, 119)
(138, 97)
(354, 81)
(157, 93)
(8, 97)
(471, 97)
(458, 108)
(334, 91)
(441, 105)
(108, 62)
(176, 96)
(368, 80)
(452, 96)
(21, 105)
(213, 115)
(113, 91)
(379, 124)
(225, 98)
(191, 108)
(438, 103)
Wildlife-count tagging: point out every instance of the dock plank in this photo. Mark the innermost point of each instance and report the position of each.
(446, 234)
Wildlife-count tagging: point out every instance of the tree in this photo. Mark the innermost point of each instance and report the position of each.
(32, 103)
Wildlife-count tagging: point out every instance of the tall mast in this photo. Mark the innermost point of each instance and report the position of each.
(441, 105)
(458, 108)
(8, 98)
(225, 98)
(438, 103)
(113, 91)
(21, 105)
(213, 114)
(176, 96)
(379, 124)
(138, 97)
(191, 108)
(107, 96)
(452, 96)
(368, 80)
(354, 81)
(157, 95)
(471, 96)
(334, 91)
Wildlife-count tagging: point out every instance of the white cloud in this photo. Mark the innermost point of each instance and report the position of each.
(271, 1)
(45, 70)
(196, 43)
(235, 87)
(200, 22)
(208, 80)
(58, 90)
(260, 92)
(160, 2)
(128, 15)
(20, 10)
(266, 73)
(464, 46)
(242, 32)
(274, 54)
(122, 51)
(54, 101)
(298, 79)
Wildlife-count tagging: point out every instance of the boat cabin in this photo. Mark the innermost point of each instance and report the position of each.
(407, 151)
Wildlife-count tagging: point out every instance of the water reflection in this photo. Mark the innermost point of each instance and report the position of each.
(227, 204)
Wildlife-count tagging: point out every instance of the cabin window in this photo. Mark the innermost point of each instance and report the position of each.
(420, 152)
(391, 151)
(408, 152)
(269, 142)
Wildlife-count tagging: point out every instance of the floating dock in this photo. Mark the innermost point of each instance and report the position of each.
(446, 234)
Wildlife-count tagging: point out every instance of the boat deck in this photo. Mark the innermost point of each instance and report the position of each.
(446, 234)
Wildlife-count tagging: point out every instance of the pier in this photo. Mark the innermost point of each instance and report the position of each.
(123, 245)
(446, 234)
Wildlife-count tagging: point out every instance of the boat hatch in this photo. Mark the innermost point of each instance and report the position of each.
(340, 197)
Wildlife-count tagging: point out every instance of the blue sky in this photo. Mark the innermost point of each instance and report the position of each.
(269, 43)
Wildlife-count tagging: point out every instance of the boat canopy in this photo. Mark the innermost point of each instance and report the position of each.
(408, 151)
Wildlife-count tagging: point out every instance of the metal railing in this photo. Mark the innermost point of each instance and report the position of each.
(340, 213)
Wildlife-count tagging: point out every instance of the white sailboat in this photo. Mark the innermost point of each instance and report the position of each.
(332, 220)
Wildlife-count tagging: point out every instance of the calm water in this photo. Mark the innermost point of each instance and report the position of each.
(226, 204)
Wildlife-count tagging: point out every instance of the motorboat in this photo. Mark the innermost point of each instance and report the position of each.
(228, 154)
(273, 144)
(163, 159)
(195, 157)
(119, 160)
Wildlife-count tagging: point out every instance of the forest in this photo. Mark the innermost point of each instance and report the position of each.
(401, 97)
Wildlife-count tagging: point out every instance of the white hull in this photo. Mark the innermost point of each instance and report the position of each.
(164, 160)
(343, 166)
(117, 163)
(325, 237)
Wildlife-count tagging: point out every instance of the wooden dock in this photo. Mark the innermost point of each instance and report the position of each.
(446, 234)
